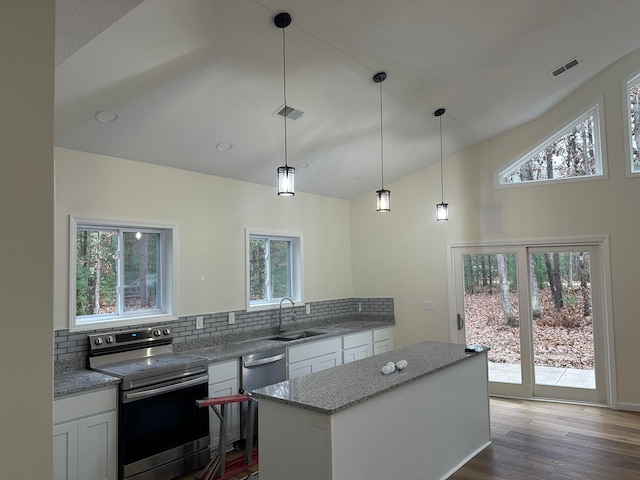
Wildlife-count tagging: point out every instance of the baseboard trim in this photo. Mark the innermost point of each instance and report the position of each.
(632, 407)
(463, 462)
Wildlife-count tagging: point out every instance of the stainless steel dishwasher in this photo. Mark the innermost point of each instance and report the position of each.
(259, 370)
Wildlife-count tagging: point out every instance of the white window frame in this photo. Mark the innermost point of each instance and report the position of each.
(600, 148)
(628, 148)
(168, 282)
(296, 271)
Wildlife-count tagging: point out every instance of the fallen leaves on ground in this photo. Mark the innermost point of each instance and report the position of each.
(554, 346)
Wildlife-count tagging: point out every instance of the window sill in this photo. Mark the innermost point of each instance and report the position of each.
(122, 322)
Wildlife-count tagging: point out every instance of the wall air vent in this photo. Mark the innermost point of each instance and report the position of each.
(563, 68)
(289, 112)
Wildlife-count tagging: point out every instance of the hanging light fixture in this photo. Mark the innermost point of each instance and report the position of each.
(442, 209)
(286, 173)
(383, 196)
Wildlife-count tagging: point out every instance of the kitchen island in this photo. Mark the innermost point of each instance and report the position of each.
(353, 422)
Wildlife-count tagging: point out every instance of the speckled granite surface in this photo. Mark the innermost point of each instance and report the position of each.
(74, 377)
(79, 381)
(347, 385)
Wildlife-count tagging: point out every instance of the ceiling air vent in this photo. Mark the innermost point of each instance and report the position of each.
(290, 112)
(563, 68)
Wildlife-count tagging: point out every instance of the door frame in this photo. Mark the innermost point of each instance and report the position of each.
(605, 310)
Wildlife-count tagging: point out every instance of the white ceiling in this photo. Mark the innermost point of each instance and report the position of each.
(184, 76)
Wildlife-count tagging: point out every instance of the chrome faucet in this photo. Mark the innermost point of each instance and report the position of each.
(292, 315)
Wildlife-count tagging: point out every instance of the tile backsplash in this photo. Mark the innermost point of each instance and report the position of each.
(73, 348)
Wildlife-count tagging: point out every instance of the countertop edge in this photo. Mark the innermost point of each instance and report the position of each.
(310, 391)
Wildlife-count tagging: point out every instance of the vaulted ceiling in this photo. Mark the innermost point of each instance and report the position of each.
(188, 79)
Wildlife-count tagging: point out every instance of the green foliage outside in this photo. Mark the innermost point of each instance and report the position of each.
(269, 259)
(97, 270)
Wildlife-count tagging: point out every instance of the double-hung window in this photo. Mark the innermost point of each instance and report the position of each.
(273, 268)
(121, 274)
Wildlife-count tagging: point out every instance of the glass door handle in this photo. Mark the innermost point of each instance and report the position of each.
(460, 322)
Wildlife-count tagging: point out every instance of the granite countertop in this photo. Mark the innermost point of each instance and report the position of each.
(78, 381)
(82, 379)
(338, 388)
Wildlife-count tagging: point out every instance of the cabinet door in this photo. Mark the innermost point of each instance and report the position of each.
(223, 389)
(382, 347)
(300, 369)
(350, 355)
(97, 447)
(328, 361)
(65, 451)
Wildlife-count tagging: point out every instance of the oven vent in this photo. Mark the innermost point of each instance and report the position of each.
(289, 112)
(563, 68)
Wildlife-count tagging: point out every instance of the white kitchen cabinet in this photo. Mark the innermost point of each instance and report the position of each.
(356, 346)
(65, 451)
(313, 357)
(224, 381)
(382, 340)
(85, 436)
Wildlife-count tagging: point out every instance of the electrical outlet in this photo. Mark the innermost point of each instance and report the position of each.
(232, 318)
(308, 308)
(428, 305)
(199, 321)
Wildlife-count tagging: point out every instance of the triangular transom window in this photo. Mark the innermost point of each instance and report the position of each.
(572, 153)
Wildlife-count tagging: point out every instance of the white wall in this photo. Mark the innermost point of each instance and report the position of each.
(403, 254)
(212, 214)
(26, 216)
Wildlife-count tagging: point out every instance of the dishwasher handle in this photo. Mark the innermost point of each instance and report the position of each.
(263, 361)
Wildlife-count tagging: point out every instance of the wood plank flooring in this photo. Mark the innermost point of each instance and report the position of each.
(550, 441)
(553, 441)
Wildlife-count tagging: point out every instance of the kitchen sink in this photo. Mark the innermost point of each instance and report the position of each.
(297, 335)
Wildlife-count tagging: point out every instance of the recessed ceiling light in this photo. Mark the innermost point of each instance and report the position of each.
(106, 116)
(222, 146)
(302, 165)
(355, 179)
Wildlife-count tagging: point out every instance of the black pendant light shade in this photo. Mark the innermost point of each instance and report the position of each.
(442, 209)
(286, 173)
(383, 197)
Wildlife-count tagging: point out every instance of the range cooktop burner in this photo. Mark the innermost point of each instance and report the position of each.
(141, 357)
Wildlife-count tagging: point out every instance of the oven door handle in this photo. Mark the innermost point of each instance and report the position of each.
(128, 397)
(263, 361)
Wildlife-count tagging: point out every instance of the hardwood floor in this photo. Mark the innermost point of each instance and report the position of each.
(550, 441)
(554, 441)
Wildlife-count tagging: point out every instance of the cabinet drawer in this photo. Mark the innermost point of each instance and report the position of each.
(315, 349)
(82, 405)
(219, 372)
(382, 334)
(356, 339)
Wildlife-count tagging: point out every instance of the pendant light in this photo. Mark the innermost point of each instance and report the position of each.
(285, 173)
(383, 196)
(442, 209)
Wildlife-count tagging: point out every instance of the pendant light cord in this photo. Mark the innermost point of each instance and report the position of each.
(381, 143)
(441, 173)
(284, 93)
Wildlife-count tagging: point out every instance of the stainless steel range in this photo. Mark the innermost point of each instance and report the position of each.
(162, 434)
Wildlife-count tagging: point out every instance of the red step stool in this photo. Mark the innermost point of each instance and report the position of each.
(217, 462)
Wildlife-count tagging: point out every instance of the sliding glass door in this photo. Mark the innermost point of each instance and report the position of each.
(540, 310)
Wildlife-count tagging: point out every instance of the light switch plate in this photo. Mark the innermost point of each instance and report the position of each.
(232, 318)
(308, 308)
(199, 321)
(428, 305)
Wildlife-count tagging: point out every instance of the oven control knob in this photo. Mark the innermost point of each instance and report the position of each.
(110, 339)
(156, 333)
(98, 341)
(166, 331)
